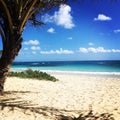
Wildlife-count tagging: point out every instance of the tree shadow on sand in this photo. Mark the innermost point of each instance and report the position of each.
(59, 114)
(89, 116)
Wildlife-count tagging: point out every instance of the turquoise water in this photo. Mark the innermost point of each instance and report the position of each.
(79, 66)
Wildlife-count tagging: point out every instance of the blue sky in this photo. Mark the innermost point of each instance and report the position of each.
(86, 31)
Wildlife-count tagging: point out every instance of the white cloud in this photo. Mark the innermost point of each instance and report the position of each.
(91, 44)
(33, 52)
(47, 18)
(98, 50)
(102, 17)
(62, 17)
(25, 48)
(91, 49)
(116, 50)
(83, 50)
(51, 30)
(35, 48)
(117, 31)
(70, 38)
(61, 51)
(31, 42)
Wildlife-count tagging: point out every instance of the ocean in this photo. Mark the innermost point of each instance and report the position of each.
(91, 67)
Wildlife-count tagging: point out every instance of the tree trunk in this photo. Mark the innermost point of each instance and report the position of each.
(4, 69)
(6, 60)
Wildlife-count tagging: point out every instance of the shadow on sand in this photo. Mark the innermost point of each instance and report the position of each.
(59, 114)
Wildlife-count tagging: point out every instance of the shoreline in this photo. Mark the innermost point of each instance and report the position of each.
(103, 74)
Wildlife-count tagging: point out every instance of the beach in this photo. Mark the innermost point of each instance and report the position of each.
(92, 97)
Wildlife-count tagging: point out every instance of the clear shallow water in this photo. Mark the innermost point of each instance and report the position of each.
(78, 66)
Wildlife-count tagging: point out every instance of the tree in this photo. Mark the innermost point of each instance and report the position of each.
(13, 17)
(0, 52)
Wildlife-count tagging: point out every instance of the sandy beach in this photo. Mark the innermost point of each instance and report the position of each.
(74, 96)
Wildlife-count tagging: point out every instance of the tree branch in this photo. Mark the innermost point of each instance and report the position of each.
(8, 14)
(25, 17)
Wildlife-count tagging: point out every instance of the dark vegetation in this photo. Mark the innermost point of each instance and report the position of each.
(33, 74)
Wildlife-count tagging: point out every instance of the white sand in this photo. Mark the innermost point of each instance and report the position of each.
(72, 95)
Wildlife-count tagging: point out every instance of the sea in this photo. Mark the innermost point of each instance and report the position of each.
(106, 67)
